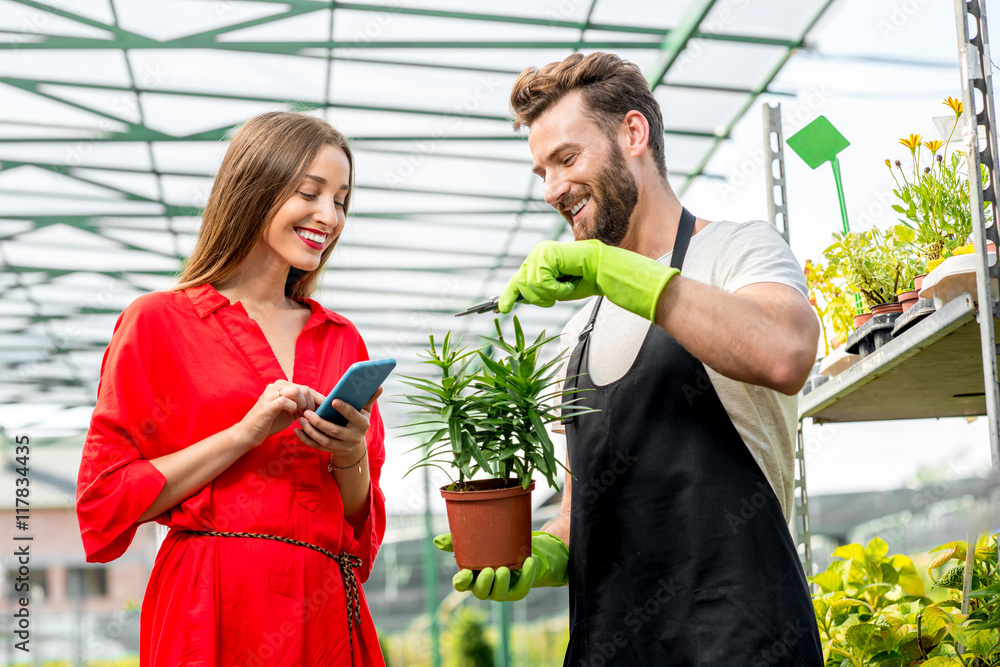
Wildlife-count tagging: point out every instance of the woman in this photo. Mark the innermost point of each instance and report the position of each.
(204, 423)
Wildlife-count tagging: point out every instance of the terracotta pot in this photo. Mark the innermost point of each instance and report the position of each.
(892, 307)
(919, 281)
(907, 299)
(490, 524)
(861, 319)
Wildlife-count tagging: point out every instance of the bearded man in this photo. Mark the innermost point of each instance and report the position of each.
(692, 353)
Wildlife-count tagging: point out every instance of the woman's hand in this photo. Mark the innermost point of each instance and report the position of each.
(279, 405)
(346, 444)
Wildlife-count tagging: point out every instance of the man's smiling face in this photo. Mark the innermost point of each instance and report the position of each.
(586, 177)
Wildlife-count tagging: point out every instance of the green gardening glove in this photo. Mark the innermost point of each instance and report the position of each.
(546, 566)
(626, 278)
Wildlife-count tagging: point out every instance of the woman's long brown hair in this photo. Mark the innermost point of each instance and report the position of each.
(264, 164)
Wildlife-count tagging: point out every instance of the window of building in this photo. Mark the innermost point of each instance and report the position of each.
(86, 582)
(37, 580)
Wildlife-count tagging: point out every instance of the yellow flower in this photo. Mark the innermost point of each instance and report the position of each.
(912, 143)
(887, 163)
(933, 264)
(934, 146)
(954, 105)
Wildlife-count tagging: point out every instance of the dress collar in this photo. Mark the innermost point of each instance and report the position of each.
(206, 300)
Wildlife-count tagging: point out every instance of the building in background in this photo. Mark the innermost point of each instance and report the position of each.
(79, 610)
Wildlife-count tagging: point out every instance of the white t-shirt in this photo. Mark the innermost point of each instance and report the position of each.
(729, 256)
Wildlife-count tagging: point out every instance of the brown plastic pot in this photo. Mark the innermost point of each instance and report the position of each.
(919, 281)
(891, 307)
(861, 319)
(907, 299)
(490, 524)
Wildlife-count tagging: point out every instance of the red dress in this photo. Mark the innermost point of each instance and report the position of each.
(182, 366)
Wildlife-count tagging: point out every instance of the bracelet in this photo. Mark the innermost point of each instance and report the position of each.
(331, 467)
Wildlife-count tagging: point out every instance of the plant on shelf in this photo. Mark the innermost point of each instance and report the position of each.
(934, 198)
(875, 264)
(872, 608)
(486, 415)
(832, 304)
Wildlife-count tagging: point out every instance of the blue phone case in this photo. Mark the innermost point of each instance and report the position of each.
(356, 387)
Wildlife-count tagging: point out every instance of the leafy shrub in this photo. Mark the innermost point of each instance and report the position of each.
(872, 609)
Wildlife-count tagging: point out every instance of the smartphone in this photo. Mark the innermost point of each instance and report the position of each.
(356, 387)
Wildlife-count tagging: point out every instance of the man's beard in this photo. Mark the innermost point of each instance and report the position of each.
(615, 194)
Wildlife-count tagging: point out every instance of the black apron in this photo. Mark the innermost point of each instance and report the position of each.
(679, 551)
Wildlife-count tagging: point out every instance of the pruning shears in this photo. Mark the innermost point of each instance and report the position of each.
(492, 306)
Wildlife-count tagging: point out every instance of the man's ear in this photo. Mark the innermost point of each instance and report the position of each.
(636, 133)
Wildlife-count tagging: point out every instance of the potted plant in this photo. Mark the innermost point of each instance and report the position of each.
(486, 415)
(874, 264)
(934, 198)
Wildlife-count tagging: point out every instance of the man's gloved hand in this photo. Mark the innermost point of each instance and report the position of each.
(626, 278)
(546, 566)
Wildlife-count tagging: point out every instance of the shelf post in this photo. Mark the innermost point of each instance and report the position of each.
(975, 64)
(800, 506)
(774, 155)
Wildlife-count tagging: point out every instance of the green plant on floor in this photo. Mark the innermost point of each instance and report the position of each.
(486, 414)
(863, 604)
(831, 302)
(876, 264)
(872, 610)
(470, 646)
(934, 198)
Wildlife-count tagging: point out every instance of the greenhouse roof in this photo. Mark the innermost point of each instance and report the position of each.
(113, 116)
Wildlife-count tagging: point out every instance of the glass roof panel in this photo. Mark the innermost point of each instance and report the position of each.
(365, 29)
(97, 10)
(94, 66)
(474, 58)
(703, 110)
(458, 91)
(719, 63)
(785, 19)
(123, 104)
(284, 77)
(14, 17)
(311, 27)
(402, 124)
(164, 20)
(641, 13)
(40, 110)
(443, 174)
(183, 116)
(513, 152)
(139, 184)
(128, 155)
(562, 10)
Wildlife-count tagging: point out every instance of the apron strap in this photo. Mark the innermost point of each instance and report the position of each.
(685, 228)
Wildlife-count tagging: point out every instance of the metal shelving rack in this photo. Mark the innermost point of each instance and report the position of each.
(946, 365)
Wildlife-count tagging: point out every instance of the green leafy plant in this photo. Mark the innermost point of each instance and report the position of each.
(934, 198)
(831, 302)
(872, 610)
(875, 264)
(471, 647)
(486, 414)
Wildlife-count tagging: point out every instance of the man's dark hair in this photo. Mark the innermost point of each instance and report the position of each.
(611, 87)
